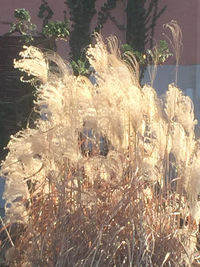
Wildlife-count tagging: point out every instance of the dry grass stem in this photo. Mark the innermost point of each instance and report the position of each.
(109, 175)
(176, 42)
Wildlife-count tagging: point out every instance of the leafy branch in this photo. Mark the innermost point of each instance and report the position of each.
(24, 26)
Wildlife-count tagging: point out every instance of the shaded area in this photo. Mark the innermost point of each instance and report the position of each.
(16, 97)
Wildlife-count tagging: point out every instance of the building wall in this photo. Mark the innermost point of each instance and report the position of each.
(184, 12)
(7, 10)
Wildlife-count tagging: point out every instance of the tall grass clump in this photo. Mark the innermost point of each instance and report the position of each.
(109, 175)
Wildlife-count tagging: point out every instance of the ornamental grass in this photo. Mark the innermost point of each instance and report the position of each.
(108, 175)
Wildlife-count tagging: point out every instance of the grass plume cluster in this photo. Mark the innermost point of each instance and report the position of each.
(109, 175)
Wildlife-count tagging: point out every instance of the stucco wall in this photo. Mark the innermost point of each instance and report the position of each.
(7, 10)
(186, 13)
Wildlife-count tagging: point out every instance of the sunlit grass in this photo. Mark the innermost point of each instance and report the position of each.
(110, 176)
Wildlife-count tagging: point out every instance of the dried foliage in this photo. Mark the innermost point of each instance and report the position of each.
(109, 174)
(175, 41)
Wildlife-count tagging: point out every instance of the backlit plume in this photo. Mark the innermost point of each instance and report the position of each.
(97, 145)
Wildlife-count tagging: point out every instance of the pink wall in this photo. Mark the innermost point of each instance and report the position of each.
(7, 10)
(184, 11)
(110, 28)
